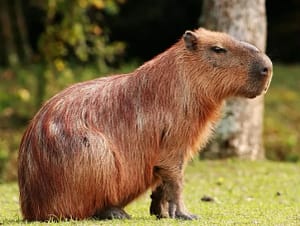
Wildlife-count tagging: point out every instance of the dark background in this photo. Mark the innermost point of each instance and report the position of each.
(150, 26)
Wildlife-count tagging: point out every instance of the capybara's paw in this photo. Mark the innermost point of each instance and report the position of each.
(186, 216)
(112, 213)
(174, 212)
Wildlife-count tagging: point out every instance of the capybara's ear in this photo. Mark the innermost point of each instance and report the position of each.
(191, 40)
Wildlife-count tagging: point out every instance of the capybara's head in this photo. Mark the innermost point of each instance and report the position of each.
(235, 68)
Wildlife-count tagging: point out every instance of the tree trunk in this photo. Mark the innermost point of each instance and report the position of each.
(22, 30)
(240, 132)
(7, 31)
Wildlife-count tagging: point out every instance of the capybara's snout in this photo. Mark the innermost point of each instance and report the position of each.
(264, 67)
(267, 71)
(260, 75)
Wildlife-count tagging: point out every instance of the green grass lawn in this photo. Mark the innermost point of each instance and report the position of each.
(245, 193)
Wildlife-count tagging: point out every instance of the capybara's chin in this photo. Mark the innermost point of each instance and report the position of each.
(98, 145)
(254, 89)
(257, 87)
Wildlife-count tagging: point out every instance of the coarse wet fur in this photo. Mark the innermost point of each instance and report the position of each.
(97, 145)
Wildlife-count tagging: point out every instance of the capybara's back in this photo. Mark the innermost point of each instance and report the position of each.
(97, 145)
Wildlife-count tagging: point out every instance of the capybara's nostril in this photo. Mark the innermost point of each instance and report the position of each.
(264, 71)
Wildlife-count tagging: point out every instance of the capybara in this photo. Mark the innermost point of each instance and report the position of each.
(97, 145)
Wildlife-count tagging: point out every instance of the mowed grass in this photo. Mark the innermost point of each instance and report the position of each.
(244, 193)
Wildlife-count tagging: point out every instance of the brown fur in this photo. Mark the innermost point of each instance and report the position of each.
(98, 145)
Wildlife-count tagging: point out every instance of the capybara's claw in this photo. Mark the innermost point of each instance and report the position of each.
(186, 216)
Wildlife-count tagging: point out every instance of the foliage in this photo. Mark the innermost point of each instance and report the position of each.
(70, 31)
(282, 114)
(75, 31)
(244, 193)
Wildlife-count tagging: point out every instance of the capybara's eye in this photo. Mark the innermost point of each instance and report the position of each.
(218, 49)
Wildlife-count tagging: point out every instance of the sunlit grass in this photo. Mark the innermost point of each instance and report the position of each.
(245, 193)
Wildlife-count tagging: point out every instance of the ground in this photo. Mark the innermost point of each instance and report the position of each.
(243, 193)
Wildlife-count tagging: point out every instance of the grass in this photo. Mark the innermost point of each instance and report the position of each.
(245, 193)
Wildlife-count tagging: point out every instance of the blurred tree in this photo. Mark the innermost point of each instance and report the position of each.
(74, 30)
(71, 29)
(22, 30)
(240, 132)
(13, 33)
(54, 35)
(9, 49)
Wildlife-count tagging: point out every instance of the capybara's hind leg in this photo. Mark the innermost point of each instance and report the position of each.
(112, 213)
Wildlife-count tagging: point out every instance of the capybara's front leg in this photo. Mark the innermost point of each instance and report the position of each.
(159, 204)
(169, 195)
(173, 191)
